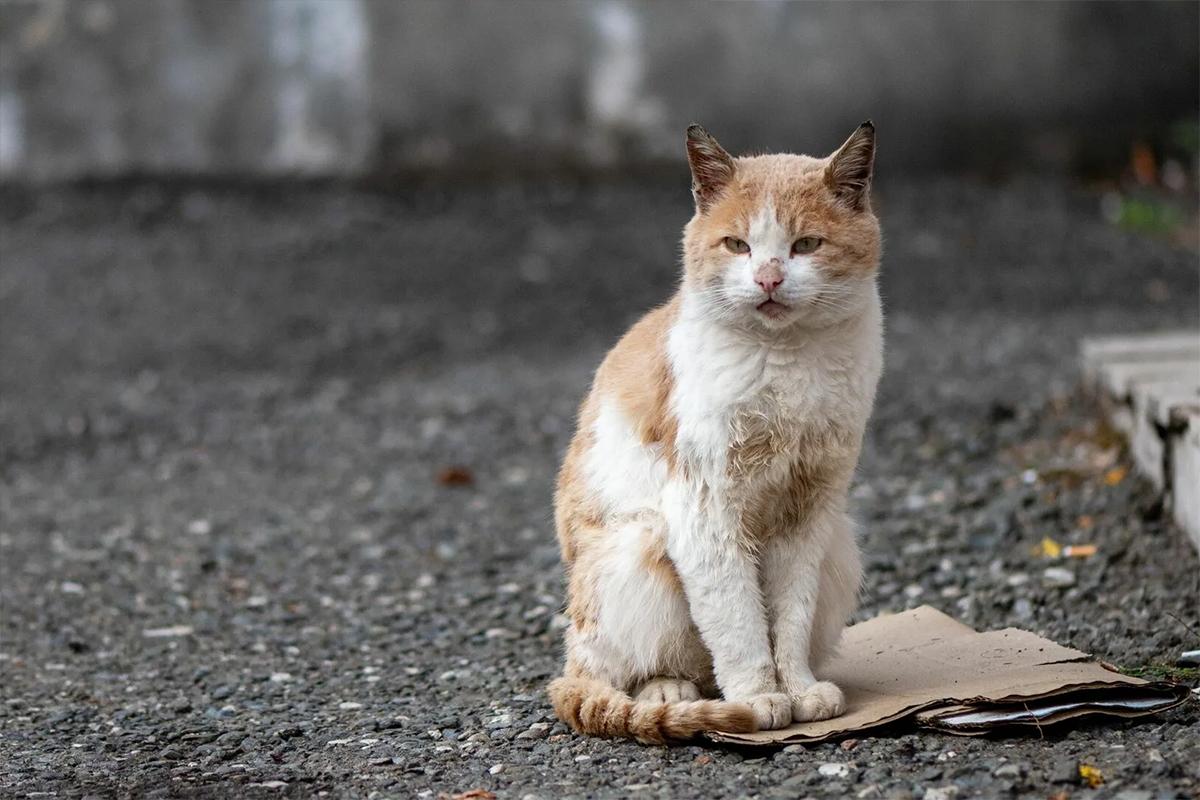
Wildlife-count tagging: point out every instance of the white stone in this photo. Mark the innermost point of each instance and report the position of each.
(168, 632)
(941, 793)
(1058, 577)
(834, 770)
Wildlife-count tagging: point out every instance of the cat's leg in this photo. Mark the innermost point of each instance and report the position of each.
(837, 597)
(632, 628)
(805, 625)
(720, 579)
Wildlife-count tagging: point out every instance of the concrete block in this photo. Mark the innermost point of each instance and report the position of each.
(1157, 407)
(1149, 386)
(1119, 378)
(1185, 479)
(1170, 345)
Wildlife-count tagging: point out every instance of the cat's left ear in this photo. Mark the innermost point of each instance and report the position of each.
(850, 168)
(712, 167)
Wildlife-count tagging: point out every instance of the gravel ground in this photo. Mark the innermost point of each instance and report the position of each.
(235, 562)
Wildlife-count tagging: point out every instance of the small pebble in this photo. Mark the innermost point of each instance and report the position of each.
(1058, 577)
(940, 793)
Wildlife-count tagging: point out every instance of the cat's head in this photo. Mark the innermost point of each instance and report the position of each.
(781, 240)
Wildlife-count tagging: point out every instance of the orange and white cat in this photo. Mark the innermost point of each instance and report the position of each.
(702, 505)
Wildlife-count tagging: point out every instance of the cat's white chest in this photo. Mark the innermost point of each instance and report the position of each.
(737, 397)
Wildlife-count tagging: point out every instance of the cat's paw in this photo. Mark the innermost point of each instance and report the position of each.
(822, 700)
(771, 711)
(667, 690)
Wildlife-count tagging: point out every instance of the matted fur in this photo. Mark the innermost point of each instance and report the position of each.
(701, 506)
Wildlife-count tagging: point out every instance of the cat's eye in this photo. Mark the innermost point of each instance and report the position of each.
(805, 245)
(736, 245)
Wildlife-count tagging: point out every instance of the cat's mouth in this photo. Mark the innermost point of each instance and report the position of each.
(772, 308)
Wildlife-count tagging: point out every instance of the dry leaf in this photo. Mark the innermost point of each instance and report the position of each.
(455, 476)
(1048, 548)
(1114, 476)
(1145, 166)
(1091, 775)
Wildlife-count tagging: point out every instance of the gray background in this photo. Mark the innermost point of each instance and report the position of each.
(228, 566)
(94, 88)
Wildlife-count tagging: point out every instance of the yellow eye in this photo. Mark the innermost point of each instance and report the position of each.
(805, 245)
(736, 245)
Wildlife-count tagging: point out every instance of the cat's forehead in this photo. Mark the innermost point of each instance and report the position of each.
(788, 186)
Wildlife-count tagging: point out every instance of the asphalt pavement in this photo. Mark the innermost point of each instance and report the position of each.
(276, 466)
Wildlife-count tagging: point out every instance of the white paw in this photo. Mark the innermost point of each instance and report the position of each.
(667, 690)
(771, 711)
(822, 700)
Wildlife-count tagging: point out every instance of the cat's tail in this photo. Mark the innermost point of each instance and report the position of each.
(594, 708)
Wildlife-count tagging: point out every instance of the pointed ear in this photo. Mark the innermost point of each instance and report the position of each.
(850, 168)
(712, 167)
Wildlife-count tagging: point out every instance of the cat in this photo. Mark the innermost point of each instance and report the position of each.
(701, 507)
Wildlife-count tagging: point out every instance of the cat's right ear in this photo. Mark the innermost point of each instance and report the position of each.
(712, 167)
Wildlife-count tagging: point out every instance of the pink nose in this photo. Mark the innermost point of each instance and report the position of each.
(769, 275)
(768, 284)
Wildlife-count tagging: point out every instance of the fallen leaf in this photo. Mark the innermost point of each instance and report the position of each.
(1091, 775)
(1069, 477)
(1048, 548)
(849, 744)
(1114, 476)
(455, 476)
(1145, 167)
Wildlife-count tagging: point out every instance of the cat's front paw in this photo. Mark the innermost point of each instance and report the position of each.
(771, 711)
(822, 700)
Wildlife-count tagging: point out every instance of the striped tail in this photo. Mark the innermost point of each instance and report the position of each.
(594, 708)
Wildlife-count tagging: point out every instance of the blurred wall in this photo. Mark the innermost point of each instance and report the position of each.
(351, 87)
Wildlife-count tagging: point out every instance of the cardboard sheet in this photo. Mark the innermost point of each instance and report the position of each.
(925, 666)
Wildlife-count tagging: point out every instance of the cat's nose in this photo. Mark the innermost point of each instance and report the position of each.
(769, 275)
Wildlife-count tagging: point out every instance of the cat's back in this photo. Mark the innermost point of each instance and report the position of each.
(636, 375)
(625, 434)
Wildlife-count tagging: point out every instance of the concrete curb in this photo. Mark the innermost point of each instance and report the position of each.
(1149, 386)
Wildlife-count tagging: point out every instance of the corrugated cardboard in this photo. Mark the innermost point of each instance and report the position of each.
(925, 666)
